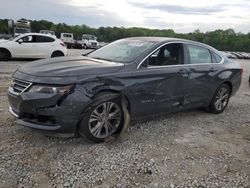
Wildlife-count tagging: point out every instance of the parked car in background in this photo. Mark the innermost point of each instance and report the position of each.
(89, 41)
(32, 45)
(224, 53)
(231, 55)
(78, 44)
(49, 32)
(238, 55)
(68, 39)
(245, 55)
(144, 76)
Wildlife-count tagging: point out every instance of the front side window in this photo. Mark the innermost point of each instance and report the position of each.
(28, 39)
(199, 55)
(170, 54)
(22, 30)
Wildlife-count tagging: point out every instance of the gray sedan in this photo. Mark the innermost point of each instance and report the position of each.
(96, 94)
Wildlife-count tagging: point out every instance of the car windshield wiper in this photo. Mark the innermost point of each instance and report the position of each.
(102, 59)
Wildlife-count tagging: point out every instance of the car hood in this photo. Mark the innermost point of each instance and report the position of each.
(69, 67)
(92, 41)
(3, 41)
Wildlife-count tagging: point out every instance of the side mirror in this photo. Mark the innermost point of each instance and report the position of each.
(20, 41)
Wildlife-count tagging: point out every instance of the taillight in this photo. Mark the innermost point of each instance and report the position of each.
(241, 71)
(62, 44)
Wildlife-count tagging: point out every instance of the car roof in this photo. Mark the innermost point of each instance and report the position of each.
(37, 34)
(162, 40)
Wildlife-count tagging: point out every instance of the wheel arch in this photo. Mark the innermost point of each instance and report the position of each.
(126, 112)
(3, 48)
(229, 84)
(55, 51)
(120, 93)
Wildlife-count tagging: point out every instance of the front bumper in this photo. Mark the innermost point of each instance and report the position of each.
(48, 113)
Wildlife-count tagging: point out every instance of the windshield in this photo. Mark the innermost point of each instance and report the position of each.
(47, 32)
(125, 51)
(22, 30)
(89, 37)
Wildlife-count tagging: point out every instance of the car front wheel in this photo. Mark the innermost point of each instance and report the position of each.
(103, 119)
(220, 99)
(4, 55)
(57, 54)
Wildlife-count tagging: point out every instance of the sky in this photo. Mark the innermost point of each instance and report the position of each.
(180, 15)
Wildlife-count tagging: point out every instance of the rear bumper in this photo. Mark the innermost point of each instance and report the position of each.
(236, 82)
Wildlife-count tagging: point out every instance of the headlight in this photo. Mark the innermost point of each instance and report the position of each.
(50, 89)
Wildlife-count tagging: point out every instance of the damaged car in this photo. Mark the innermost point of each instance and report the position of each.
(97, 94)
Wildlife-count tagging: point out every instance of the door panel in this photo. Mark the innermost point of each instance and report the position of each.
(45, 46)
(162, 90)
(201, 87)
(160, 87)
(25, 49)
(202, 72)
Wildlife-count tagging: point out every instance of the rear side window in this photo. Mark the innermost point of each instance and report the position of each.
(199, 55)
(44, 39)
(216, 58)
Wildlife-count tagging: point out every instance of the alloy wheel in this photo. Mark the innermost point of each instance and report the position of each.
(3, 54)
(105, 119)
(221, 98)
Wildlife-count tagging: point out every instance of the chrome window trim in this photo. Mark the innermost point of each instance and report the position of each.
(188, 43)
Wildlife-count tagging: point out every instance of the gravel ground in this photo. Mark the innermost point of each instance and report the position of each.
(185, 149)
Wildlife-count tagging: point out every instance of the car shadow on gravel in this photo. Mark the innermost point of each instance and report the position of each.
(166, 115)
(136, 127)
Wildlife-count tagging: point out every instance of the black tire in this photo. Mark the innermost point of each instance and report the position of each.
(4, 55)
(85, 47)
(57, 54)
(85, 126)
(220, 99)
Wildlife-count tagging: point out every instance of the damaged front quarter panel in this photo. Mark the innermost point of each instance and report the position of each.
(110, 84)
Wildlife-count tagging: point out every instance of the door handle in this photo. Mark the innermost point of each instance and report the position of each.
(212, 69)
(184, 72)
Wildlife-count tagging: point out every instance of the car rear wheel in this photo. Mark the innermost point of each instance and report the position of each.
(57, 54)
(220, 99)
(102, 119)
(4, 55)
